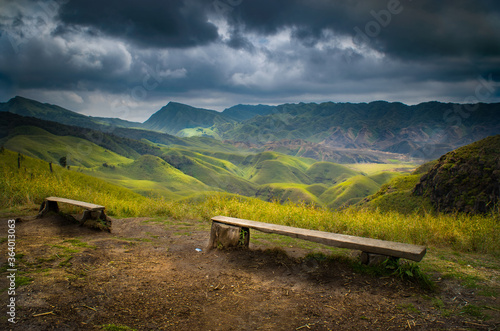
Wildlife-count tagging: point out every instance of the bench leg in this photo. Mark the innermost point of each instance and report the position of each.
(106, 220)
(374, 259)
(99, 216)
(227, 236)
(46, 207)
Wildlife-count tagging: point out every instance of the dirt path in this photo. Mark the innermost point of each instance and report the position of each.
(148, 275)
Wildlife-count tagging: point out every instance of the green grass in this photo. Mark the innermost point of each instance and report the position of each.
(276, 171)
(66, 249)
(215, 174)
(329, 173)
(22, 280)
(198, 132)
(374, 168)
(396, 195)
(286, 192)
(474, 311)
(150, 175)
(384, 177)
(349, 192)
(79, 243)
(181, 172)
(41, 144)
(33, 182)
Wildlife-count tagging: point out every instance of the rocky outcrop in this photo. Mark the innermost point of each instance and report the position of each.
(466, 179)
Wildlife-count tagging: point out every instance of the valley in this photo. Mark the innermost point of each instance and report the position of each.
(161, 191)
(158, 164)
(293, 152)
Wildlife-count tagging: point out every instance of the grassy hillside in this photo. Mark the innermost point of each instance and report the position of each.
(181, 168)
(36, 142)
(29, 185)
(109, 140)
(151, 175)
(217, 173)
(34, 181)
(287, 192)
(329, 173)
(349, 192)
(466, 179)
(31, 108)
(396, 195)
(275, 171)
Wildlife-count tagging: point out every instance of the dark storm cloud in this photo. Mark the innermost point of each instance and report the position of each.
(400, 28)
(147, 23)
(226, 52)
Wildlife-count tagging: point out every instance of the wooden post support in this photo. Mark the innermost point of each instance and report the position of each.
(228, 236)
(373, 259)
(98, 215)
(48, 206)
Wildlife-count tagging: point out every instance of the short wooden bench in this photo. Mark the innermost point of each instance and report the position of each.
(91, 211)
(230, 232)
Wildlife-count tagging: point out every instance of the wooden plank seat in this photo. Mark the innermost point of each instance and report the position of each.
(91, 211)
(230, 231)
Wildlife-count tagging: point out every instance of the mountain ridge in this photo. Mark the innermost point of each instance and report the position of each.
(175, 117)
(325, 130)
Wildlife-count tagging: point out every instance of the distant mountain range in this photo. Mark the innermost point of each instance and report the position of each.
(340, 132)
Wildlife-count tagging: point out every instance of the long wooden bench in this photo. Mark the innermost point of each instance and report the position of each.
(92, 211)
(230, 231)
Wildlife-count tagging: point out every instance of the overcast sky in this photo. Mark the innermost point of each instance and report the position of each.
(127, 59)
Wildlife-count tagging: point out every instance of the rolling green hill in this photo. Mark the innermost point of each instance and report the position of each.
(287, 192)
(121, 145)
(23, 188)
(276, 171)
(175, 168)
(151, 175)
(36, 142)
(349, 192)
(216, 173)
(329, 173)
(396, 195)
(33, 181)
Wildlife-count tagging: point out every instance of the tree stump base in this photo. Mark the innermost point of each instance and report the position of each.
(372, 259)
(96, 219)
(224, 236)
(46, 207)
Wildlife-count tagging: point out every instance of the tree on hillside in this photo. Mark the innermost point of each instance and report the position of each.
(63, 161)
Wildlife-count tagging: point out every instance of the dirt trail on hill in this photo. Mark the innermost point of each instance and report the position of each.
(148, 275)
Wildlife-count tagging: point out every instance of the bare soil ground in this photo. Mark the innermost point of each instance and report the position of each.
(147, 275)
